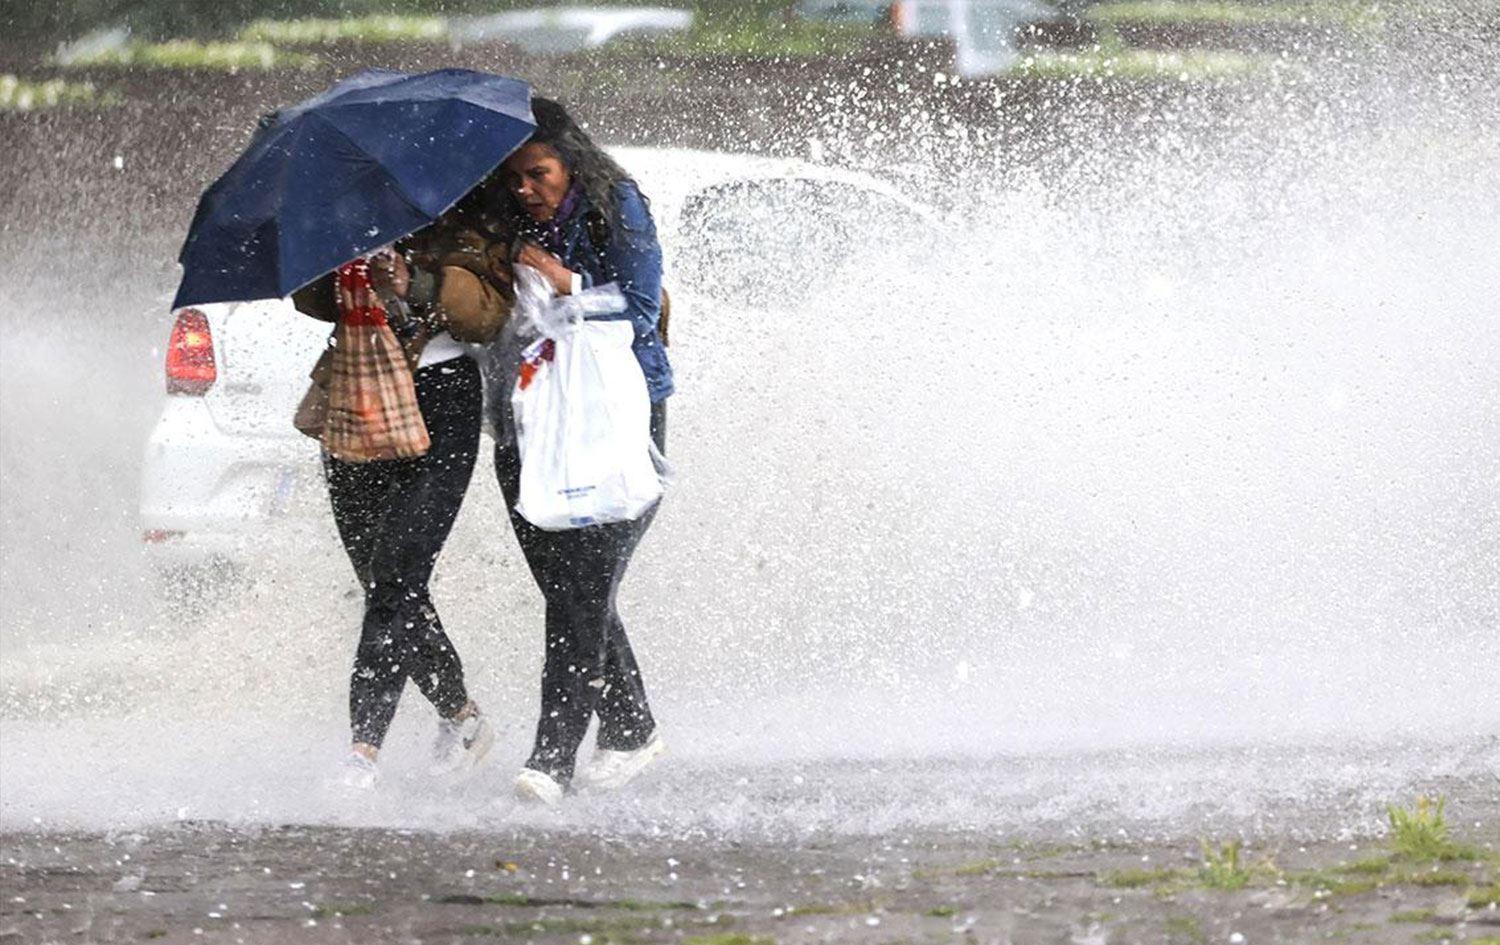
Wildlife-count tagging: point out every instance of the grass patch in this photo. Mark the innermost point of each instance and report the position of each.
(1350, 887)
(942, 912)
(1006, 870)
(502, 899)
(1334, 883)
(1184, 927)
(333, 909)
(729, 938)
(1142, 65)
(316, 31)
(1485, 897)
(1437, 878)
(1421, 833)
(522, 901)
(1415, 915)
(192, 54)
(1222, 866)
(820, 908)
(604, 930)
(832, 908)
(20, 95)
(1374, 866)
(1356, 17)
(1137, 879)
(639, 905)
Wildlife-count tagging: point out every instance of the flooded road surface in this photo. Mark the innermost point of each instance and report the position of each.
(547, 882)
(1230, 845)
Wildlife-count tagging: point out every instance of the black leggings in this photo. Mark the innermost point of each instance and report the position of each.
(589, 666)
(393, 517)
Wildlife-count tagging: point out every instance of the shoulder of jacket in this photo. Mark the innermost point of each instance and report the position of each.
(632, 208)
(628, 197)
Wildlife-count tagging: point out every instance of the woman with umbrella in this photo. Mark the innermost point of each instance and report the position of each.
(394, 515)
(583, 223)
(323, 186)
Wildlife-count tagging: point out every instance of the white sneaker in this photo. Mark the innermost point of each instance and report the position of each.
(538, 787)
(358, 772)
(461, 745)
(611, 770)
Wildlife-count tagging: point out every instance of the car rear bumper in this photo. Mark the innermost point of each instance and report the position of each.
(209, 497)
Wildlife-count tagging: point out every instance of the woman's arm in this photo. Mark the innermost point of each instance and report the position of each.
(460, 289)
(470, 306)
(469, 289)
(634, 255)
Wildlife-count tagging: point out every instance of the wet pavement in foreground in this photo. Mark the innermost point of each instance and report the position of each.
(193, 881)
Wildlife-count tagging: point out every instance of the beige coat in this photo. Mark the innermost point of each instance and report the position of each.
(473, 296)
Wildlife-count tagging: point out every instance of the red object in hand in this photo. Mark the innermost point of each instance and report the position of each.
(531, 364)
(357, 301)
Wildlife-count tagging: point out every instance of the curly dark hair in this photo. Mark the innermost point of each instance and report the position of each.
(594, 170)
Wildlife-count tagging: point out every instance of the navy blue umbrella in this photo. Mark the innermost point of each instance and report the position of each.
(375, 158)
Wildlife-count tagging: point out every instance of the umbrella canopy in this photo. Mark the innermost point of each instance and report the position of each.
(375, 158)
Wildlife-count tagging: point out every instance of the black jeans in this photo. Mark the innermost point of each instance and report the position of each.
(393, 517)
(589, 665)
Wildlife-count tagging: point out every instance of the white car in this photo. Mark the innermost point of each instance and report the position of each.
(558, 30)
(225, 471)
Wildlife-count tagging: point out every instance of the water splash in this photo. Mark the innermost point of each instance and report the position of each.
(1180, 437)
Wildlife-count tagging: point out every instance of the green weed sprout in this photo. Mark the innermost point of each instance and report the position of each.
(1222, 866)
(1421, 833)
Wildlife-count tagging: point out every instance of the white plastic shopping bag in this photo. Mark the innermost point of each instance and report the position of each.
(582, 411)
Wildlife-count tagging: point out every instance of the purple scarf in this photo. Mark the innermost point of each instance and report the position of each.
(551, 232)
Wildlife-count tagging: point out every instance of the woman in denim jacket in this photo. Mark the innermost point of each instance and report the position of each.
(584, 223)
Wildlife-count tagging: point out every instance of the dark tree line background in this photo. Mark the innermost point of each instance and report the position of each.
(53, 20)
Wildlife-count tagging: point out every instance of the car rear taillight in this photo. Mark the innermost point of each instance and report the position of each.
(190, 355)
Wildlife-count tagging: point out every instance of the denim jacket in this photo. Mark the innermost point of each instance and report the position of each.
(631, 258)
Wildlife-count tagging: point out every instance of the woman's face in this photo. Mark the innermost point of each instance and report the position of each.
(538, 179)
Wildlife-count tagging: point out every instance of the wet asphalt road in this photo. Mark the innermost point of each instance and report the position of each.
(198, 881)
